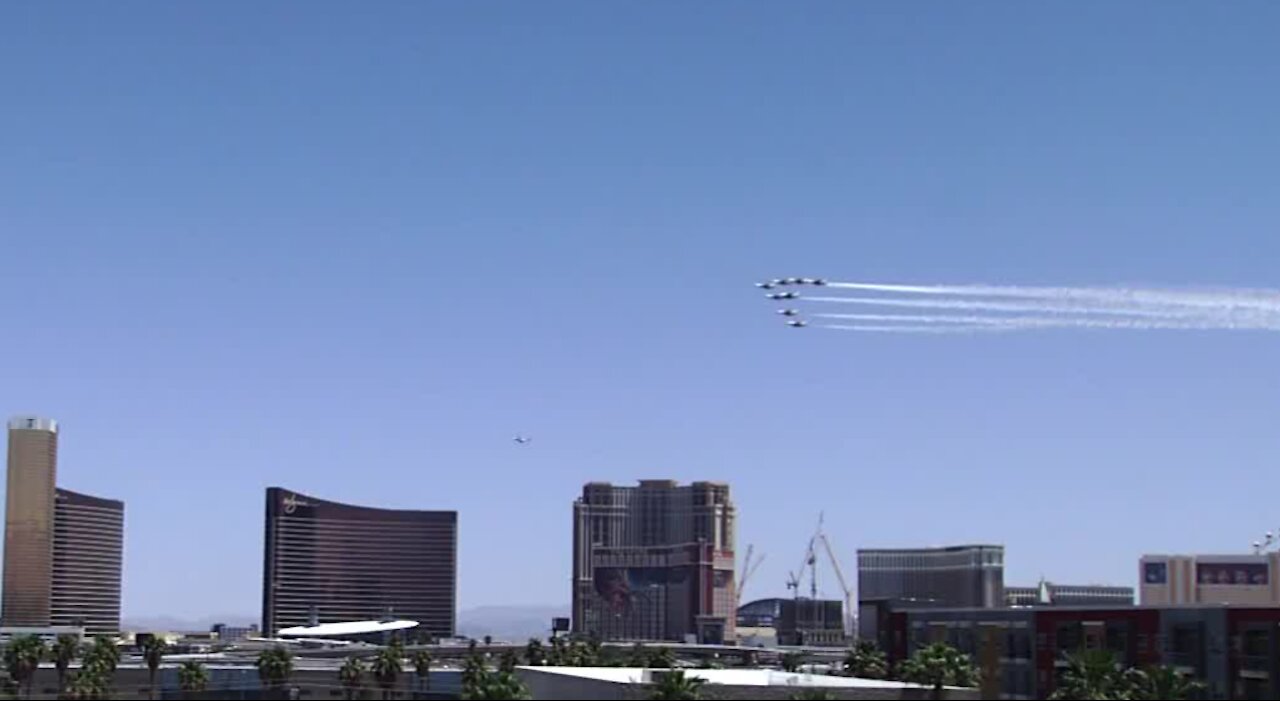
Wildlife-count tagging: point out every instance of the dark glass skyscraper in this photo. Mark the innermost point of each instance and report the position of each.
(353, 563)
(88, 550)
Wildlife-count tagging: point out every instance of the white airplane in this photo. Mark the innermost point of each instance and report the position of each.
(797, 324)
(765, 285)
(788, 312)
(782, 295)
(522, 439)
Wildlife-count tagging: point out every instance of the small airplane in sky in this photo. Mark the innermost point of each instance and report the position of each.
(788, 312)
(522, 440)
(782, 295)
(797, 324)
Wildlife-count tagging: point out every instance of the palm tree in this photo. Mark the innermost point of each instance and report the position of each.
(386, 668)
(937, 666)
(791, 661)
(494, 686)
(65, 650)
(662, 658)
(534, 655)
(192, 677)
(473, 674)
(351, 676)
(675, 686)
(422, 668)
(508, 661)
(865, 660)
(1162, 682)
(22, 659)
(275, 666)
(153, 650)
(1092, 674)
(90, 682)
(106, 653)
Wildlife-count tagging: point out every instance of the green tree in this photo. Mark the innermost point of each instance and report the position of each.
(675, 686)
(508, 661)
(662, 658)
(275, 666)
(812, 695)
(494, 686)
(791, 661)
(422, 668)
(106, 654)
(153, 651)
(90, 681)
(351, 676)
(639, 656)
(937, 666)
(865, 660)
(65, 651)
(192, 677)
(534, 654)
(1092, 674)
(1162, 682)
(22, 659)
(474, 673)
(387, 666)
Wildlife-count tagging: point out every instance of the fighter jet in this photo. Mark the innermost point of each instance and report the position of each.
(782, 295)
(765, 285)
(522, 439)
(788, 312)
(817, 281)
(797, 281)
(797, 324)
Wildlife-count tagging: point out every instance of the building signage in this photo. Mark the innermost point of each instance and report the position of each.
(1155, 573)
(1232, 573)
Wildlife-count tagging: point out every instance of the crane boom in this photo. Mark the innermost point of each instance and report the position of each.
(844, 586)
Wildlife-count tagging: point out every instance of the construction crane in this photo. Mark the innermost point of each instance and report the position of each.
(794, 579)
(749, 568)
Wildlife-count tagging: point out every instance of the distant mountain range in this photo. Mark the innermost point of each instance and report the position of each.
(512, 623)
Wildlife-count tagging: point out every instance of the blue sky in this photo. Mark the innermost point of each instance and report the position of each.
(351, 249)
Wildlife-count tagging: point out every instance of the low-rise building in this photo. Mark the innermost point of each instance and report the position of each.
(1051, 594)
(1021, 652)
(1210, 579)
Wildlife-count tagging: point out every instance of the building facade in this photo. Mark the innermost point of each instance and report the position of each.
(1022, 652)
(88, 558)
(654, 562)
(956, 576)
(1051, 594)
(797, 621)
(1210, 579)
(327, 562)
(28, 522)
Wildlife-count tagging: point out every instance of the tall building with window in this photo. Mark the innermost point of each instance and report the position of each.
(969, 576)
(63, 551)
(654, 561)
(88, 552)
(327, 562)
(28, 522)
(1210, 579)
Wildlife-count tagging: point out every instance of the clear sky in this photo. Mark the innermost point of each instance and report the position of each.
(351, 249)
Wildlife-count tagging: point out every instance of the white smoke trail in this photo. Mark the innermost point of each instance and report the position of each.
(1019, 323)
(1046, 307)
(894, 328)
(1222, 300)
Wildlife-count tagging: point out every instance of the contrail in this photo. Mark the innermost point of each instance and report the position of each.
(1016, 323)
(893, 328)
(1261, 300)
(1045, 307)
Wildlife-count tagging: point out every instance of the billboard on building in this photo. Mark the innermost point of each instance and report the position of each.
(1233, 573)
(1155, 573)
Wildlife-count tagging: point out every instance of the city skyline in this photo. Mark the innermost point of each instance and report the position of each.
(355, 250)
